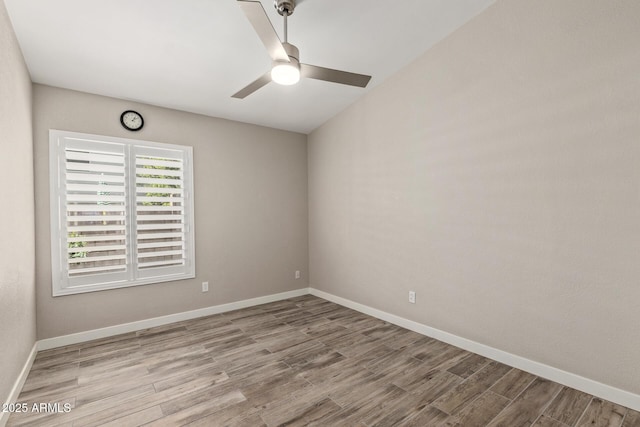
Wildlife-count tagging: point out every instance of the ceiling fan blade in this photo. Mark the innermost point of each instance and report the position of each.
(335, 76)
(262, 25)
(253, 86)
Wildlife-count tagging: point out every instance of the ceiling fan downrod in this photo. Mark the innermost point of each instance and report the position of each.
(285, 8)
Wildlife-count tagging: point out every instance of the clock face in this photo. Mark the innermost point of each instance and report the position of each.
(131, 120)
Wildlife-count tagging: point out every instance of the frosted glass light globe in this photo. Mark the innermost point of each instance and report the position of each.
(285, 74)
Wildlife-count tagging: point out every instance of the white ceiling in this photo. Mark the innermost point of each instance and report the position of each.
(192, 55)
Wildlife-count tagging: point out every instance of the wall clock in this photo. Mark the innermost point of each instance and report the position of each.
(131, 120)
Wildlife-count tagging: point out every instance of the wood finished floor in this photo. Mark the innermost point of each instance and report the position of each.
(302, 361)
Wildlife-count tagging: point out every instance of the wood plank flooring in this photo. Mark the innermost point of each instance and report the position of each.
(302, 361)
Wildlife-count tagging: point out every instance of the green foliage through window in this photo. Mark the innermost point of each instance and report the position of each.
(159, 176)
(72, 245)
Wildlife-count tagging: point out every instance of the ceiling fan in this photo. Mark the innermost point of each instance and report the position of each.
(286, 68)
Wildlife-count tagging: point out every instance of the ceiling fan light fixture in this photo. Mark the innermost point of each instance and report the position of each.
(286, 68)
(285, 73)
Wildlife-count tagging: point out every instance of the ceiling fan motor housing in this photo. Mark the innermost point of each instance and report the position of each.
(294, 56)
(292, 51)
(284, 6)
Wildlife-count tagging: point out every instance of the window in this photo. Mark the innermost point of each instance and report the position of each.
(121, 212)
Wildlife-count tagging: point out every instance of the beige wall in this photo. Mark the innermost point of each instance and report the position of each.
(250, 211)
(17, 283)
(498, 176)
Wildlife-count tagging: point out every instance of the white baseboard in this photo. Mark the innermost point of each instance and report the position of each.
(109, 331)
(17, 386)
(621, 397)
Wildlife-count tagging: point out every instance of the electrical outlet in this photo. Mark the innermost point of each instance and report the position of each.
(205, 286)
(412, 297)
(297, 274)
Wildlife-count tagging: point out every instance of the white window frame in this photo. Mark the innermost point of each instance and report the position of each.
(62, 284)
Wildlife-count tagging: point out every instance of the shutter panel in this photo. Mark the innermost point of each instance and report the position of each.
(160, 210)
(95, 211)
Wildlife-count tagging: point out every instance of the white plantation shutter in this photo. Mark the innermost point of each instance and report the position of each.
(121, 212)
(160, 210)
(95, 209)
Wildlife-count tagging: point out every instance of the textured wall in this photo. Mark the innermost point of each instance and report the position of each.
(17, 283)
(250, 211)
(498, 177)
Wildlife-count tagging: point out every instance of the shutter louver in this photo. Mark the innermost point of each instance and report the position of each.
(160, 212)
(95, 206)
